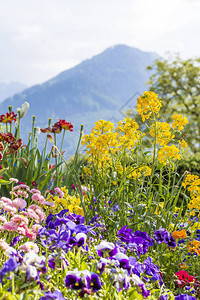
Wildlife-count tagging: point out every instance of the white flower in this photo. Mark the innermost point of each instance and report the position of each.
(31, 272)
(105, 245)
(24, 109)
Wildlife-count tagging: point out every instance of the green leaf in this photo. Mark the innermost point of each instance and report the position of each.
(4, 182)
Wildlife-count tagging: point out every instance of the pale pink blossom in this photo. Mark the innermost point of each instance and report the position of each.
(31, 214)
(9, 208)
(30, 234)
(2, 229)
(84, 188)
(38, 198)
(20, 219)
(22, 230)
(19, 203)
(6, 200)
(49, 203)
(59, 191)
(36, 227)
(29, 246)
(35, 191)
(3, 219)
(21, 186)
(13, 194)
(11, 226)
(25, 194)
(14, 180)
(39, 211)
(3, 244)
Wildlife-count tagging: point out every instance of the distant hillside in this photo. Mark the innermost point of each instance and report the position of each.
(94, 89)
(10, 89)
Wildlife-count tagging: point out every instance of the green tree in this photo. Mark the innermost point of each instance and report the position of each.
(177, 82)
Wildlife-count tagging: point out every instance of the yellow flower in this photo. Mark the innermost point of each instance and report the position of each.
(147, 104)
(179, 121)
(168, 153)
(67, 202)
(182, 143)
(162, 132)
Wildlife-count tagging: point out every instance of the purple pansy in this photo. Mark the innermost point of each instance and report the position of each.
(57, 295)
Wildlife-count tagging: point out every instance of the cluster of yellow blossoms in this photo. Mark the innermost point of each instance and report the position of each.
(104, 140)
(73, 203)
(192, 183)
(147, 104)
(138, 173)
(168, 153)
(179, 121)
(162, 132)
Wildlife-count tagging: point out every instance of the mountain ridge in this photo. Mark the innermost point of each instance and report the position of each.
(94, 87)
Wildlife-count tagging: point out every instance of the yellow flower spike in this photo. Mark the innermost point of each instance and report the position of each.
(147, 104)
(163, 133)
(168, 153)
(179, 121)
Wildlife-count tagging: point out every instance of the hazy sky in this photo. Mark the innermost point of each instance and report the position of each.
(40, 38)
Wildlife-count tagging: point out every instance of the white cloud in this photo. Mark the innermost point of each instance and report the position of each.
(42, 38)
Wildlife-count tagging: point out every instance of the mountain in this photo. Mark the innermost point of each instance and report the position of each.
(96, 88)
(10, 89)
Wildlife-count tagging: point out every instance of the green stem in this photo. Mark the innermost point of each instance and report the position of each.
(154, 158)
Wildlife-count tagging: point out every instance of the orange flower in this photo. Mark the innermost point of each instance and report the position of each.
(194, 247)
(179, 234)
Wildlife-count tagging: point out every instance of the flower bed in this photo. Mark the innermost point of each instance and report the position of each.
(117, 223)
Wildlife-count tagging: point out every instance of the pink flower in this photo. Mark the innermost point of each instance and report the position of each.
(35, 191)
(29, 246)
(14, 180)
(21, 186)
(39, 212)
(25, 194)
(30, 234)
(2, 229)
(49, 203)
(22, 230)
(35, 228)
(6, 200)
(11, 226)
(3, 219)
(13, 193)
(59, 192)
(3, 244)
(19, 203)
(38, 198)
(9, 208)
(31, 214)
(20, 219)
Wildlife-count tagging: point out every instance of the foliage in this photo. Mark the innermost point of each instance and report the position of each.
(177, 82)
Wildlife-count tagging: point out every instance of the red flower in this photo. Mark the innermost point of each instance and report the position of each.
(184, 276)
(1, 146)
(8, 117)
(14, 146)
(6, 137)
(66, 125)
(58, 126)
